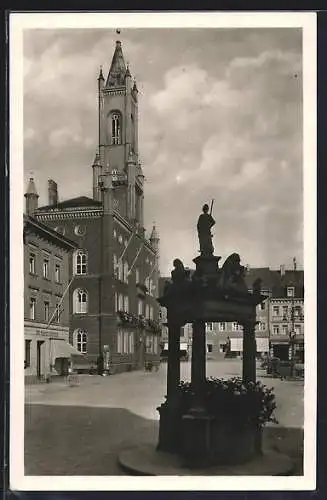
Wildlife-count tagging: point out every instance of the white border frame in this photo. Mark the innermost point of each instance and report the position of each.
(19, 22)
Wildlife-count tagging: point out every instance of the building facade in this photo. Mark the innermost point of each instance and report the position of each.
(47, 262)
(115, 266)
(280, 319)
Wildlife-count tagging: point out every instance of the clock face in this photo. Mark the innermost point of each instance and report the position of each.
(80, 230)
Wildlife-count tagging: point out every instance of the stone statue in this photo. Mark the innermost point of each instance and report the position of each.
(232, 275)
(205, 223)
(178, 274)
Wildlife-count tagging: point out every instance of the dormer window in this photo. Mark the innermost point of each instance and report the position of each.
(290, 291)
(115, 129)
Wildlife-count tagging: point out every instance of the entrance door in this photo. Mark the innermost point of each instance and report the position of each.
(39, 358)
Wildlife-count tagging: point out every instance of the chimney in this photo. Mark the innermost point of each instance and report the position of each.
(294, 263)
(52, 192)
(282, 270)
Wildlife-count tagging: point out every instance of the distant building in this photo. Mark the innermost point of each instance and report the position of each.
(279, 318)
(115, 265)
(47, 262)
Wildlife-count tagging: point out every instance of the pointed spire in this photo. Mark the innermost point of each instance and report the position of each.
(31, 188)
(100, 77)
(117, 72)
(154, 234)
(135, 89)
(97, 162)
(128, 73)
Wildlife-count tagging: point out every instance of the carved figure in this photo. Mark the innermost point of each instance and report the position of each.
(232, 275)
(204, 225)
(178, 274)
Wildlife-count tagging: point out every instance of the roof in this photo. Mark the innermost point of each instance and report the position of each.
(272, 281)
(117, 72)
(33, 225)
(79, 202)
(31, 188)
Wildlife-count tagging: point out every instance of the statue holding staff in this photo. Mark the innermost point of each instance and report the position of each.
(204, 225)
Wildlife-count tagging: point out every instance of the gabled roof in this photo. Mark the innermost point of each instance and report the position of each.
(46, 232)
(79, 202)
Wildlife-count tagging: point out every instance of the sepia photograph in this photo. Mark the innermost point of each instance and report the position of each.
(163, 249)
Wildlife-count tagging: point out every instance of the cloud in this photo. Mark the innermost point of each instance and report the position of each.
(220, 116)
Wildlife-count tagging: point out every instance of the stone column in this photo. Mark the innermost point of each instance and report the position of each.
(170, 417)
(249, 352)
(173, 368)
(198, 367)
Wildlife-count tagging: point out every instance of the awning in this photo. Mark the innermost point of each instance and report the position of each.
(182, 347)
(59, 348)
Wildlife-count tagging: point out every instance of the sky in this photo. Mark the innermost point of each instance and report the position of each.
(220, 117)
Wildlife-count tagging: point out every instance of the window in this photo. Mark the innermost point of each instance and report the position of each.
(115, 233)
(120, 341)
(80, 301)
(285, 311)
(27, 353)
(222, 327)
(275, 310)
(209, 347)
(81, 342)
(46, 268)
(140, 307)
(151, 312)
(120, 270)
(149, 344)
(290, 291)
(155, 345)
(57, 273)
(120, 302)
(46, 311)
(297, 329)
(137, 275)
(131, 342)
(276, 329)
(263, 306)
(32, 263)
(116, 301)
(115, 128)
(32, 308)
(80, 262)
(263, 326)
(284, 330)
(147, 311)
(126, 303)
(234, 326)
(126, 272)
(126, 341)
(209, 327)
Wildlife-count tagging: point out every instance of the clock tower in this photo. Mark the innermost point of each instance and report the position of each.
(118, 140)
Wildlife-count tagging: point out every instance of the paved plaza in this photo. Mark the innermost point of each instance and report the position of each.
(79, 429)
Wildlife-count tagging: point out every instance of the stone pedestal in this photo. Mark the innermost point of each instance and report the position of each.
(207, 264)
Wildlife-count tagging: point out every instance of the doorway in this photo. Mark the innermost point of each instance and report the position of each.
(39, 358)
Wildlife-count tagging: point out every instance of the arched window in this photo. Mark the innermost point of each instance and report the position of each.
(80, 262)
(115, 128)
(115, 265)
(126, 303)
(80, 301)
(81, 341)
(120, 302)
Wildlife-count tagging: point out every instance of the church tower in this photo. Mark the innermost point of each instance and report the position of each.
(118, 139)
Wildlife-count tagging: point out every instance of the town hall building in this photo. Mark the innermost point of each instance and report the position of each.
(114, 312)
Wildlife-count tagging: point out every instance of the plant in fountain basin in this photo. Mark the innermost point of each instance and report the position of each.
(231, 401)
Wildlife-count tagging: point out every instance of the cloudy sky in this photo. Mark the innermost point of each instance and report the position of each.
(220, 117)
